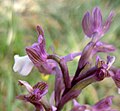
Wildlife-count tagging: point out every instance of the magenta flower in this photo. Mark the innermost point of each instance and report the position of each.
(91, 49)
(102, 105)
(93, 25)
(38, 55)
(103, 67)
(35, 93)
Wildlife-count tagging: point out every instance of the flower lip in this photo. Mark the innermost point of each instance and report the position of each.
(23, 65)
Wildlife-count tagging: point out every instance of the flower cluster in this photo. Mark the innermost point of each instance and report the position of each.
(68, 88)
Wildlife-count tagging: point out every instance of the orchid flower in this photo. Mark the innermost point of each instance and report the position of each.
(37, 56)
(112, 72)
(35, 93)
(93, 27)
(93, 24)
(102, 105)
(89, 51)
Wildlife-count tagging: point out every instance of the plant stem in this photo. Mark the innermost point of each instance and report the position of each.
(64, 69)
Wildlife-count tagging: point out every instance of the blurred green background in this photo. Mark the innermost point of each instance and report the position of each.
(61, 21)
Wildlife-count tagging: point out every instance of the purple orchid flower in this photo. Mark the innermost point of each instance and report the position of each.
(97, 72)
(91, 49)
(35, 94)
(93, 24)
(103, 67)
(37, 56)
(102, 105)
(111, 71)
(93, 27)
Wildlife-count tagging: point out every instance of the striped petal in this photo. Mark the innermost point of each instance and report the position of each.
(87, 24)
(27, 85)
(97, 18)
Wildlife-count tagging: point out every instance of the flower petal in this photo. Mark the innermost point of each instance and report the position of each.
(54, 108)
(86, 54)
(71, 56)
(40, 30)
(103, 47)
(103, 104)
(87, 24)
(97, 18)
(110, 61)
(23, 65)
(37, 52)
(118, 90)
(108, 22)
(42, 86)
(27, 85)
(21, 97)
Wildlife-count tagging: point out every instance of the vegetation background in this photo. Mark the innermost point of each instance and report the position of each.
(61, 20)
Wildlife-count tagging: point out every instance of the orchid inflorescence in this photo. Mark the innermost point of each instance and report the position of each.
(68, 88)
